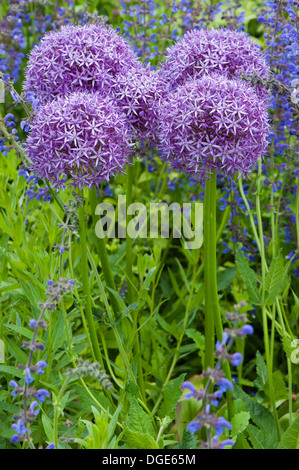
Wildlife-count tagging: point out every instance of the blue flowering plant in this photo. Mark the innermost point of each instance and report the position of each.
(30, 396)
(214, 377)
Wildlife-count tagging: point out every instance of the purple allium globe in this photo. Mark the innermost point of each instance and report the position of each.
(213, 124)
(83, 137)
(77, 58)
(222, 51)
(139, 92)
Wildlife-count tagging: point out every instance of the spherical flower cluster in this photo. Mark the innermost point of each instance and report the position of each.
(213, 124)
(139, 93)
(77, 58)
(222, 51)
(83, 137)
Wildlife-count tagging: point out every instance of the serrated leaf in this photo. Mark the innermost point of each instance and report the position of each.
(279, 387)
(273, 281)
(290, 438)
(261, 439)
(189, 441)
(248, 277)
(138, 421)
(132, 390)
(240, 422)
(172, 393)
(197, 337)
(259, 414)
(224, 278)
(137, 440)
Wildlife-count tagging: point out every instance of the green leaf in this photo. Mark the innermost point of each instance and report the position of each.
(137, 440)
(172, 393)
(240, 422)
(273, 281)
(113, 423)
(13, 371)
(197, 337)
(290, 438)
(132, 390)
(183, 275)
(189, 441)
(224, 278)
(139, 421)
(279, 386)
(287, 346)
(48, 427)
(261, 439)
(259, 414)
(241, 443)
(262, 372)
(248, 277)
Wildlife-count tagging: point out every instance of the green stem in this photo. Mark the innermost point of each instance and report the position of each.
(264, 313)
(129, 254)
(212, 309)
(86, 288)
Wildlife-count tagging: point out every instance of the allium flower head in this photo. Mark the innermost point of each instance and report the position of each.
(213, 123)
(77, 58)
(139, 93)
(222, 51)
(83, 137)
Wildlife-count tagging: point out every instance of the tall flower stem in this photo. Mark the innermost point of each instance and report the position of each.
(129, 255)
(212, 309)
(213, 319)
(85, 282)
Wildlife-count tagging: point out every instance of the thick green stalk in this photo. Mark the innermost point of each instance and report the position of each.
(212, 309)
(129, 255)
(86, 288)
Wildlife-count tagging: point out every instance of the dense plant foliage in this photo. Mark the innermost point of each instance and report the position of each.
(142, 341)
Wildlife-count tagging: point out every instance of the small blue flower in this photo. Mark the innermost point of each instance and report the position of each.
(25, 126)
(193, 426)
(216, 397)
(225, 338)
(20, 429)
(51, 446)
(247, 330)
(33, 405)
(225, 384)
(41, 365)
(236, 359)
(190, 387)
(221, 424)
(32, 323)
(41, 394)
(227, 442)
(28, 377)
